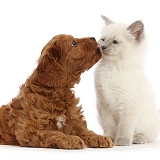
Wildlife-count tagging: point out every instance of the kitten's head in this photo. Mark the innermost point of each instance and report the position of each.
(120, 41)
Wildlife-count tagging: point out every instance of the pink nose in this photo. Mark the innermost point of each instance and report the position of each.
(103, 47)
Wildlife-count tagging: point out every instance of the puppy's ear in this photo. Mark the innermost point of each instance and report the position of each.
(107, 20)
(53, 53)
(137, 30)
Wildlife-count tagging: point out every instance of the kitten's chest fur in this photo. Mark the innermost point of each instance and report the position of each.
(119, 84)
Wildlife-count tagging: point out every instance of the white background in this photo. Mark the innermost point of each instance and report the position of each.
(27, 25)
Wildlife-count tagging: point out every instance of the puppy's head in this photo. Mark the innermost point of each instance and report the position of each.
(73, 55)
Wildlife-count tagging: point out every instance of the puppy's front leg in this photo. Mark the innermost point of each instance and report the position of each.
(49, 139)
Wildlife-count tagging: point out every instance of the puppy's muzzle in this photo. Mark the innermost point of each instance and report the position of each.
(92, 38)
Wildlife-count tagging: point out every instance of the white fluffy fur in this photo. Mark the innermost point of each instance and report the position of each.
(125, 97)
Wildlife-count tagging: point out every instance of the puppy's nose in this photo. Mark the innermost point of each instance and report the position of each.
(92, 38)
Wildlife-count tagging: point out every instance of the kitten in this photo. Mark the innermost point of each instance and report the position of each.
(125, 98)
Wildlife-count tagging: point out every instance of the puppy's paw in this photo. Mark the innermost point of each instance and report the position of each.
(139, 139)
(110, 136)
(97, 141)
(122, 141)
(72, 142)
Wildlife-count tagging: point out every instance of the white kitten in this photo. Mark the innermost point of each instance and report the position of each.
(125, 98)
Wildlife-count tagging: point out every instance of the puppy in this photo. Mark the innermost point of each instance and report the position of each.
(45, 112)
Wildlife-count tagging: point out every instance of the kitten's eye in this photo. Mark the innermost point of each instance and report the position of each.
(115, 42)
(102, 39)
(74, 44)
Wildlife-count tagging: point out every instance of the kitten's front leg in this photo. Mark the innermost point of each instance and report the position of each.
(107, 121)
(125, 130)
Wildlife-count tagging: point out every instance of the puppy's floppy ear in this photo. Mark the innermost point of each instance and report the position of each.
(107, 20)
(53, 53)
(137, 30)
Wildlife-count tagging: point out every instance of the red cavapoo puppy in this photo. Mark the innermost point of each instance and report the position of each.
(45, 112)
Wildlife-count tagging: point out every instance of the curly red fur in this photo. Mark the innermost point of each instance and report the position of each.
(45, 113)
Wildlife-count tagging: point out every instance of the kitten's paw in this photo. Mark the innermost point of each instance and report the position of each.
(122, 141)
(139, 139)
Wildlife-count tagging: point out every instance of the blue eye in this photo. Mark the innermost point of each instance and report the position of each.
(115, 42)
(74, 44)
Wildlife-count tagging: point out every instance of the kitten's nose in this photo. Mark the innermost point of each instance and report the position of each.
(92, 38)
(103, 47)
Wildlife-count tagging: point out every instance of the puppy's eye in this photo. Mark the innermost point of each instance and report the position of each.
(115, 42)
(74, 44)
(102, 39)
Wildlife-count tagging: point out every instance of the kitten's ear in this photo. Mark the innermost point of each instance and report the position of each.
(107, 20)
(137, 30)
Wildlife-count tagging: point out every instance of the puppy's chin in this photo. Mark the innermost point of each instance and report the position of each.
(98, 51)
(98, 54)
